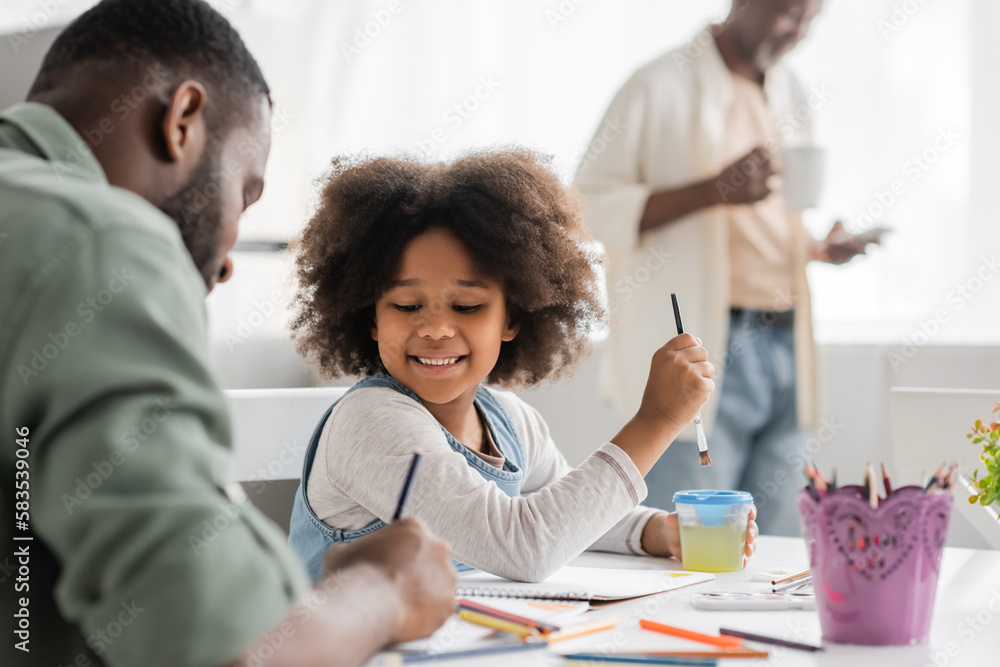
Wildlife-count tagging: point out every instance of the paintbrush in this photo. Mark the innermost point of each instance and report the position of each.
(699, 430)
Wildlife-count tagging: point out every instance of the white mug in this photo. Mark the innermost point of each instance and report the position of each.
(802, 176)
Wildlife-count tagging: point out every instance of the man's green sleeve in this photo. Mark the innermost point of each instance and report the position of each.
(129, 454)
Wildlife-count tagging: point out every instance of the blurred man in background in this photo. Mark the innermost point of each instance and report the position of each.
(682, 196)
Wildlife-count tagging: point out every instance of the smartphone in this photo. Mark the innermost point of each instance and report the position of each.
(871, 235)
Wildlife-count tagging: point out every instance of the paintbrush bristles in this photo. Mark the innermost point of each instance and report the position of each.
(705, 458)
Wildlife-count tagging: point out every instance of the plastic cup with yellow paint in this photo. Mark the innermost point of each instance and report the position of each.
(713, 528)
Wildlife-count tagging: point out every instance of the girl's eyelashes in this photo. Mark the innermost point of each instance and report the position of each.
(412, 308)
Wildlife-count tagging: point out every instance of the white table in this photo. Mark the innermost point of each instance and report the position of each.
(965, 630)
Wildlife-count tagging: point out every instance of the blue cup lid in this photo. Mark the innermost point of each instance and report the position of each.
(713, 497)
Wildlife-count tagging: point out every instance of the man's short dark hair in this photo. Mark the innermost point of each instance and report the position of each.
(188, 38)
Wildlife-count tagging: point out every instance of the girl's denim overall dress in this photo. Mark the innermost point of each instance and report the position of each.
(309, 537)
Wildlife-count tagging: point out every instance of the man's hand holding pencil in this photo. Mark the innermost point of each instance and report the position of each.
(406, 564)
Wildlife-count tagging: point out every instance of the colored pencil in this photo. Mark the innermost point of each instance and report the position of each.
(791, 577)
(872, 484)
(948, 477)
(792, 585)
(496, 623)
(406, 487)
(580, 630)
(726, 653)
(866, 483)
(768, 640)
(713, 640)
(935, 478)
(885, 481)
(811, 483)
(821, 482)
(426, 656)
(639, 659)
(507, 616)
(817, 479)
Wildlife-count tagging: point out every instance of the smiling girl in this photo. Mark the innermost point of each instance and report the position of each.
(429, 281)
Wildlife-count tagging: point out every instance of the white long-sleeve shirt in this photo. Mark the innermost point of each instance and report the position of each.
(665, 129)
(365, 451)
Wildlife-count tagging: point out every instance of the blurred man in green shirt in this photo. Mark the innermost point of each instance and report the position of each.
(122, 181)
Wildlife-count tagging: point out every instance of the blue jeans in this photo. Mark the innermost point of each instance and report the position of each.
(756, 434)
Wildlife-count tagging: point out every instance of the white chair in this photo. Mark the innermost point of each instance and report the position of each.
(271, 430)
(929, 427)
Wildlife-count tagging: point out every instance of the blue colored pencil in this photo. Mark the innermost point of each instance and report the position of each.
(406, 487)
(408, 658)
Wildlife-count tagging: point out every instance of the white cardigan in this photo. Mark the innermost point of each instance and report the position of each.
(664, 129)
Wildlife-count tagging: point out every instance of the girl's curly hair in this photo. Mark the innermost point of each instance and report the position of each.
(518, 222)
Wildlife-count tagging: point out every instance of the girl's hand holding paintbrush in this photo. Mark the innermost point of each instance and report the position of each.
(684, 362)
(679, 384)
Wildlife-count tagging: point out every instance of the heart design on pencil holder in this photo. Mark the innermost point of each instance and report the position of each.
(873, 542)
(875, 569)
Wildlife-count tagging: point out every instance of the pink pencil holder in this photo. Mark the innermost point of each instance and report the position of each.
(875, 571)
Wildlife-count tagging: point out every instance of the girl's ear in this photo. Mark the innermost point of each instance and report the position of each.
(375, 331)
(510, 330)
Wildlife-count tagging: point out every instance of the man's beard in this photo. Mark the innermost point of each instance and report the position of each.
(198, 216)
